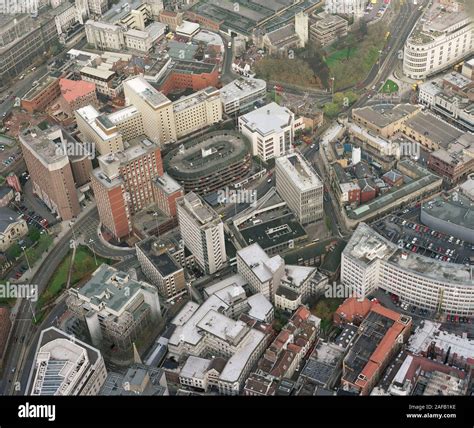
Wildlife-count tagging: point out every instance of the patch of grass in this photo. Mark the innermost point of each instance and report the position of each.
(389, 87)
(339, 55)
(84, 265)
(35, 253)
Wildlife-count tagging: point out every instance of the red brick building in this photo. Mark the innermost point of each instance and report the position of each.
(42, 95)
(166, 191)
(123, 185)
(78, 93)
(190, 75)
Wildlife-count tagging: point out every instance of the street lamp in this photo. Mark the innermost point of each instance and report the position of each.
(91, 241)
(71, 223)
(26, 257)
(332, 89)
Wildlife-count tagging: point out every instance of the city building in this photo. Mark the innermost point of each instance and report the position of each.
(270, 129)
(197, 111)
(430, 131)
(452, 215)
(23, 41)
(41, 95)
(160, 268)
(324, 366)
(455, 161)
(202, 231)
(12, 228)
(139, 379)
(327, 29)
(369, 261)
(450, 97)
(123, 183)
(242, 94)
(419, 375)
(262, 273)
(115, 308)
(78, 94)
(285, 354)
(107, 82)
(203, 329)
(65, 366)
(385, 121)
(155, 108)
(167, 191)
(442, 37)
(378, 339)
(300, 187)
(210, 162)
(201, 373)
(54, 173)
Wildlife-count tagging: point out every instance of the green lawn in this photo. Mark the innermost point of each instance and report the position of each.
(339, 55)
(35, 253)
(84, 264)
(389, 87)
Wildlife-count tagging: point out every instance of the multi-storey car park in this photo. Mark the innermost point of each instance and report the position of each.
(371, 261)
(209, 163)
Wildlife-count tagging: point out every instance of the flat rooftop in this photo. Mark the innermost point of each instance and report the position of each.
(167, 184)
(241, 88)
(434, 128)
(195, 206)
(300, 171)
(111, 289)
(268, 119)
(194, 99)
(159, 257)
(148, 93)
(43, 83)
(274, 232)
(366, 245)
(384, 117)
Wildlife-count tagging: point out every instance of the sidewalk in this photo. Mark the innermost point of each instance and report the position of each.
(64, 228)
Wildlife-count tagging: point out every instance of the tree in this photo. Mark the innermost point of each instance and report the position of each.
(363, 30)
(14, 252)
(34, 234)
(331, 110)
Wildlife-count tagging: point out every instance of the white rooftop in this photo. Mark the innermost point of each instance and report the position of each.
(187, 28)
(260, 307)
(259, 262)
(147, 92)
(268, 119)
(241, 88)
(90, 114)
(300, 172)
(431, 332)
(195, 368)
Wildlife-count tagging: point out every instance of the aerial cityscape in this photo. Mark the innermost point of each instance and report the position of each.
(237, 198)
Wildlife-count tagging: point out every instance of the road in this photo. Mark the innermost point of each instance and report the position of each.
(23, 326)
(20, 88)
(400, 29)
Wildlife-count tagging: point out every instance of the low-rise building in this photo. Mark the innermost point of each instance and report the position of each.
(379, 338)
(41, 95)
(327, 29)
(12, 228)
